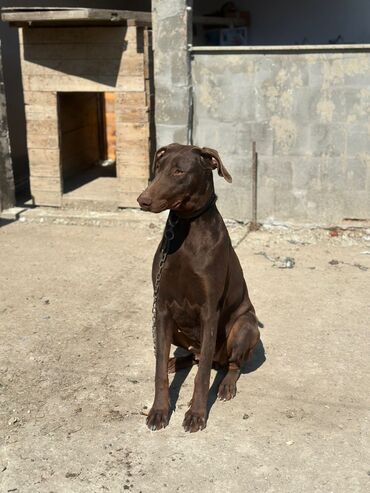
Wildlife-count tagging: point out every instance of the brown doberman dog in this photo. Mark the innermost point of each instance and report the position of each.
(202, 303)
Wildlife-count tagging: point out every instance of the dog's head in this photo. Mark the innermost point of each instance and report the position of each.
(182, 178)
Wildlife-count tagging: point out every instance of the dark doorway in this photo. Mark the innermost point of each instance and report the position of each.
(86, 133)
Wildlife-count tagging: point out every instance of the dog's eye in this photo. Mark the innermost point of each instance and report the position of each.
(178, 171)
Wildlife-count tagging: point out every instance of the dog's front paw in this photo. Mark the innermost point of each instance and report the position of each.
(194, 421)
(157, 419)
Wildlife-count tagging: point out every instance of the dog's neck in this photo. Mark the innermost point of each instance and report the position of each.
(198, 212)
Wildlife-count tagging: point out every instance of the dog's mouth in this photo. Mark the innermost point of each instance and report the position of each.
(160, 207)
(155, 208)
(176, 205)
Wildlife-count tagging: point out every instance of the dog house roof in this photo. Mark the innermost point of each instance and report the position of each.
(52, 16)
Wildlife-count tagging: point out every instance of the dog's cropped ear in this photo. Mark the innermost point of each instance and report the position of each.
(214, 159)
(159, 153)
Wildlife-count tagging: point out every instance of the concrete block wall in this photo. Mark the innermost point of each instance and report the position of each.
(308, 113)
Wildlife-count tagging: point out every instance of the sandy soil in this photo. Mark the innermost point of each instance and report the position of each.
(76, 368)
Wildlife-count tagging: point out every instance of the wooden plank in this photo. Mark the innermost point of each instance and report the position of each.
(41, 113)
(46, 127)
(73, 14)
(45, 183)
(39, 141)
(70, 83)
(148, 54)
(132, 155)
(42, 197)
(110, 124)
(132, 132)
(76, 35)
(78, 51)
(40, 98)
(125, 99)
(134, 185)
(129, 65)
(44, 162)
(131, 171)
(133, 147)
(132, 115)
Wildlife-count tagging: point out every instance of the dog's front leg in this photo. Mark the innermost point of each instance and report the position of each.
(196, 417)
(159, 414)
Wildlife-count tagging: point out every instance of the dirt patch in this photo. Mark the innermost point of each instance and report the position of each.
(76, 367)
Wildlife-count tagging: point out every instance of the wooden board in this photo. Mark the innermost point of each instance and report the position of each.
(44, 162)
(133, 99)
(39, 141)
(71, 83)
(73, 15)
(129, 114)
(47, 184)
(41, 99)
(133, 185)
(46, 127)
(78, 51)
(45, 197)
(125, 67)
(132, 132)
(110, 124)
(75, 35)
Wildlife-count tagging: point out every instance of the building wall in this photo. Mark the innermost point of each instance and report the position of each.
(309, 115)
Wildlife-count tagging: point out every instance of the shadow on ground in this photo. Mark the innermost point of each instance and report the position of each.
(250, 366)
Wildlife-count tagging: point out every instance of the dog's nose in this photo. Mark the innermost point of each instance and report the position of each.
(144, 201)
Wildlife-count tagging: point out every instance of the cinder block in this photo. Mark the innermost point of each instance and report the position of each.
(358, 140)
(357, 173)
(306, 171)
(328, 139)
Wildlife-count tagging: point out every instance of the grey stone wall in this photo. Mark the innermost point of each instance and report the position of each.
(309, 114)
(171, 24)
(6, 172)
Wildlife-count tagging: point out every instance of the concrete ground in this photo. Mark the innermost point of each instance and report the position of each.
(76, 367)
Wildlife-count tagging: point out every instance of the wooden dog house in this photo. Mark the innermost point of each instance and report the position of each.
(87, 89)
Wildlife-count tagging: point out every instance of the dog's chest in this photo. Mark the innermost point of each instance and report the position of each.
(187, 320)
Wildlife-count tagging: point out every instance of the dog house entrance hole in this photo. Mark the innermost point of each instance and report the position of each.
(87, 144)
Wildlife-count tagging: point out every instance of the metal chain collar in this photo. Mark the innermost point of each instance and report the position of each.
(168, 236)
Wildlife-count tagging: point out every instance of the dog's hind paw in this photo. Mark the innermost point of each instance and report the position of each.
(226, 392)
(157, 419)
(194, 421)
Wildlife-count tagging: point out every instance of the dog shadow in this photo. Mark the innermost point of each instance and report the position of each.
(180, 376)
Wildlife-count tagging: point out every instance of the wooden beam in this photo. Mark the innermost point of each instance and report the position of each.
(50, 16)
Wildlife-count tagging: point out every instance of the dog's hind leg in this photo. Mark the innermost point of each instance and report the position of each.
(243, 338)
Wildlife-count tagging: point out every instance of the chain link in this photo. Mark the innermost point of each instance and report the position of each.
(168, 236)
